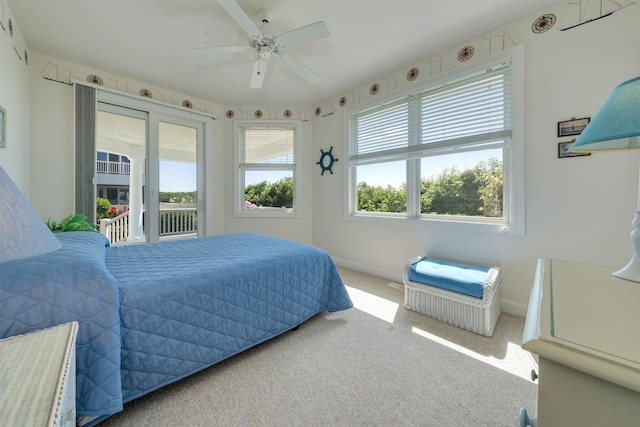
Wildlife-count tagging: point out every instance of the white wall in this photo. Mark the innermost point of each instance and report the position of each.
(576, 208)
(14, 98)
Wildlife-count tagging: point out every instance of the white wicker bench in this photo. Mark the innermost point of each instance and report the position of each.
(478, 315)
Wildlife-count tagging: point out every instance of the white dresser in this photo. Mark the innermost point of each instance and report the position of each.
(38, 378)
(584, 323)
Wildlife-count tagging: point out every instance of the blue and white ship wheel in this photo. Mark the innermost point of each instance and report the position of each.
(326, 161)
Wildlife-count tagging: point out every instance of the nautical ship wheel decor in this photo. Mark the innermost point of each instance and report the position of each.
(543, 23)
(465, 53)
(326, 161)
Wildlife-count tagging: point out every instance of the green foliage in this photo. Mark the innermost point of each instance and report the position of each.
(452, 193)
(105, 210)
(184, 197)
(491, 176)
(278, 194)
(378, 199)
(473, 192)
(102, 207)
(73, 222)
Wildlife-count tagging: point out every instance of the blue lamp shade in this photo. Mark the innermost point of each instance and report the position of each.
(616, 126)
(23, 234)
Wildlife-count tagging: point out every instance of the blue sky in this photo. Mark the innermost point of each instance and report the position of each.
(177, 176)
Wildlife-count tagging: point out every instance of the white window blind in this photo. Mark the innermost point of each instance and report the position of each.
(267, 145)
(384, 129)
(472, 112)
(468, 111)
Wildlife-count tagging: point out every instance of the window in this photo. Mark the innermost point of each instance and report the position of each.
(266, 169)
(116, 195)
(446, 152)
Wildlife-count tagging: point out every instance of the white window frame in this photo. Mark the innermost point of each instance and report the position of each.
(513, 221)
(239, 172)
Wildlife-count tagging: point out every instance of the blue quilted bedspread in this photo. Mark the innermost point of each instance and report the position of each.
(70, 284)
(152, 314)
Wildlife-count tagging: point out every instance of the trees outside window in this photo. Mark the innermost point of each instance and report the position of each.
(266, 171)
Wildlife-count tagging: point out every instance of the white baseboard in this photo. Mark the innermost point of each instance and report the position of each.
(507, 306)
(513, 307)
(395, 276)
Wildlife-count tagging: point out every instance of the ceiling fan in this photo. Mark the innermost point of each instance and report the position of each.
(266, 45)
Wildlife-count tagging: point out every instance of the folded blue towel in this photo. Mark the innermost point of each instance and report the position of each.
(453, 276)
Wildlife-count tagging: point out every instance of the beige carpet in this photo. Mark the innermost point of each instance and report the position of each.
(375, 365)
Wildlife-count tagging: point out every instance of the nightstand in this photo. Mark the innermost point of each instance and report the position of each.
(38, 378)
(584, 323)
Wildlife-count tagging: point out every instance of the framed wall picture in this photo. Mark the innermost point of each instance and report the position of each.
(3, 128)
(563, 150)
(573, 126)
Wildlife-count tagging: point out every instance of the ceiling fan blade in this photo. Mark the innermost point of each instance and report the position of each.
(299, 68)
(259, 69)
(214, 50)
(302, 35)
(236, 12)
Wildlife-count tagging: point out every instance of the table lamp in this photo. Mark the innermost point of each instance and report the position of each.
(23, 233)
(616, 127)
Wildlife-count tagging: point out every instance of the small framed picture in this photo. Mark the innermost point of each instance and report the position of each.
(563, 150)
(3, 128)
(573, 126)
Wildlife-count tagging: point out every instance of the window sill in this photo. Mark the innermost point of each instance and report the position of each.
(265, 212)
(466, 225)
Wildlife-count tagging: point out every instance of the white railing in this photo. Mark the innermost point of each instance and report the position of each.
(178, 221)
(115, 168)
(116, 229)
(173, 222)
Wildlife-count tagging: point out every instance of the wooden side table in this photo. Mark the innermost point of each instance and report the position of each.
(38, 378)
(584, 323)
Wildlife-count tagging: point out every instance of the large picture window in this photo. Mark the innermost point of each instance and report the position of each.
(446, 152)
(266, 169)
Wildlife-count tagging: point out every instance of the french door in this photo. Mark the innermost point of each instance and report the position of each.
(178, 171)
(148, 168)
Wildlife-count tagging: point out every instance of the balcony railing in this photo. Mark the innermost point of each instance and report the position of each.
(176, 221)
(173, 222)
(115, 168)
(116, 229)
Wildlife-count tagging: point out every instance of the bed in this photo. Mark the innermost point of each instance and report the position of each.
(151, 314)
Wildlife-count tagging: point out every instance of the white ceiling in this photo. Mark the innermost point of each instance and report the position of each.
(150, 40)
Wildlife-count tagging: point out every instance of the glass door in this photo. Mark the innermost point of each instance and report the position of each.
(121, 147)
(178, 179)
(149, 169)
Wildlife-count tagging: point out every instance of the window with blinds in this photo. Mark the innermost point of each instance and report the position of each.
(437, 153)
(267, 145)
(469, 113)
(266, 169)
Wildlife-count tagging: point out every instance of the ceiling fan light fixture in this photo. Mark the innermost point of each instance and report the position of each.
(266, 45)
(264, 52)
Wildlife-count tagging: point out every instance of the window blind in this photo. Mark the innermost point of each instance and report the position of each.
(386, 128)
(475, 108)
(267, 145)
(471, 112)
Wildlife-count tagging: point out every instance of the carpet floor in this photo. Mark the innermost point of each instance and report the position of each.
(377, 364)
